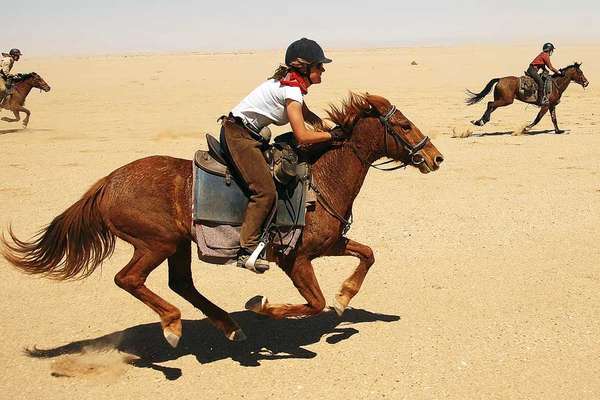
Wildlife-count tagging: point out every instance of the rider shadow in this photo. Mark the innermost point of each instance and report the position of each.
(267, 340)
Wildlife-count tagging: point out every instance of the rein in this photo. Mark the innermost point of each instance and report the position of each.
(414, 155)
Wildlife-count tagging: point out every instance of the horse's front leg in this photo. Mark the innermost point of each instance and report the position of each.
(15, 119)
(537, 119)
(302, 274)
(351, 286)
(27, 112)
(554, 120)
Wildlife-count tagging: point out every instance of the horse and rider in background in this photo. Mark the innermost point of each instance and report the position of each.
(537, 87)
(14, 88)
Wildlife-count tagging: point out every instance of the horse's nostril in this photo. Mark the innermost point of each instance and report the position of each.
(438, 160)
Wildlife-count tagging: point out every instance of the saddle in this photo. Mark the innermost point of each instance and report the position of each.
(528, 89)
(220, 198)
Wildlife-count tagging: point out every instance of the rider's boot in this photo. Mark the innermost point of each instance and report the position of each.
(253, 262)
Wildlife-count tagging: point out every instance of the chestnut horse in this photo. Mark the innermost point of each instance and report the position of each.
(148, 203)
(21, 89)
(507, 89)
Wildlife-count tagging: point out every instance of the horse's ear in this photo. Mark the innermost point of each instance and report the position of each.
(378, 103)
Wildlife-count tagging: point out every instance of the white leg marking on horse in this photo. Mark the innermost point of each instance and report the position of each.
(338, 307)
(172, 338)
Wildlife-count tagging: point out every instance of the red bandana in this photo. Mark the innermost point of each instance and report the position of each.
(294, 79)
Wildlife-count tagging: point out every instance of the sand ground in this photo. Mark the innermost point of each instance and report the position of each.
(487, 276)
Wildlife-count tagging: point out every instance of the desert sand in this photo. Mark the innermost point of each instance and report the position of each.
(487, 276)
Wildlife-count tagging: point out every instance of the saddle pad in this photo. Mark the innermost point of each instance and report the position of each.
(218, 200)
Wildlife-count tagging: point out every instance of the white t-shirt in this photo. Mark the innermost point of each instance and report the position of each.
(266, 104)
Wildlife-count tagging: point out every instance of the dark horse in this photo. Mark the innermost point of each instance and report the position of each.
(507, 89)
(147, 203)
(23, 85)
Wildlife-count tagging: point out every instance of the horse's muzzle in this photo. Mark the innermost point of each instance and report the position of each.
(585, 84)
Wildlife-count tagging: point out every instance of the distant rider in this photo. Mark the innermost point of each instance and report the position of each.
(6, 64)
(539, 64)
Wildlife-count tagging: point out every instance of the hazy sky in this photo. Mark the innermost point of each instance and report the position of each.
(84, 27)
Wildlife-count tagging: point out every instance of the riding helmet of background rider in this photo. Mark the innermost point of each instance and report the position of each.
(15, 54)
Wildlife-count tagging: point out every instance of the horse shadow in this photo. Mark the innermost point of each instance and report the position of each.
(267, 340)
(529, 133)
(24, 130)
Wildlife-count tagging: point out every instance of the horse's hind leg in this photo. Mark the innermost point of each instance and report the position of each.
(132, 278)
(301, 272)
(180, 281)
(351, 286)
(502, 97)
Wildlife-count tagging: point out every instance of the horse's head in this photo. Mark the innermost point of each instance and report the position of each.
(38, 82)
(378, 130)
(574, 73)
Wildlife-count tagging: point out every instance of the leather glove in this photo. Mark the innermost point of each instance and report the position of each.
(338, 134)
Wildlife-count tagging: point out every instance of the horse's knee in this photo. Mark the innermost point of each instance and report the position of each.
(369, 257)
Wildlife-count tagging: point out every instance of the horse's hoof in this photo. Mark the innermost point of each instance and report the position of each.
(237, 336)
(558, 132)
(338, 307)
(172, 338)
(256, 304)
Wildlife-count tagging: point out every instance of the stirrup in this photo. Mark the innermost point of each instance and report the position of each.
(253, 262)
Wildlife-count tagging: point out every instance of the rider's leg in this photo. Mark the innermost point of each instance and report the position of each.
(251, 165)
(2, 89)
(532, 72)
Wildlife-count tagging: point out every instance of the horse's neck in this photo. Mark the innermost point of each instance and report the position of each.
(23, 88)
(339, 174)
(562, 83)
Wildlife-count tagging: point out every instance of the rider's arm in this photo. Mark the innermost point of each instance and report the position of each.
(549, 64)
(313, 119)
(301, 133)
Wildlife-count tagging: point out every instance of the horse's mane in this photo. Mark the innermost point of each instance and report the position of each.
(22, 77)
(351, 109)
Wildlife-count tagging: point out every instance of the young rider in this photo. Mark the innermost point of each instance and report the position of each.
(278, 100)
(6, 63)
(539, 64)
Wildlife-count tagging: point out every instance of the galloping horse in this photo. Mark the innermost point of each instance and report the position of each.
(507, 89)
(22, 87)
(148, 203)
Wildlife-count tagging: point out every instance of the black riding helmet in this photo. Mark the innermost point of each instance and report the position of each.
(548, 47)
(15, 52)
(306, 49)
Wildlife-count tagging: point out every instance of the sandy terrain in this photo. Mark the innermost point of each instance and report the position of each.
(487, 276)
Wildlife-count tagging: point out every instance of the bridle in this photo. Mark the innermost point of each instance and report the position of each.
(414, 150)
(414, 154)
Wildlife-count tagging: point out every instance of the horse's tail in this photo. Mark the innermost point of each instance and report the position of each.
(72, 246)
(477, 97)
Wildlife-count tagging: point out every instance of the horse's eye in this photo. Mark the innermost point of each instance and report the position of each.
(405, 126)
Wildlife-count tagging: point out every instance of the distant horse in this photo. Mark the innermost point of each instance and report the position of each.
(23, 85)
(148, 203)
(507, 89)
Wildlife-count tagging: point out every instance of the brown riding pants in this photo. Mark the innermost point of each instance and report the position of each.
(252, 167)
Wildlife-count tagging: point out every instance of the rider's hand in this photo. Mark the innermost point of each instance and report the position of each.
(338, 134)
